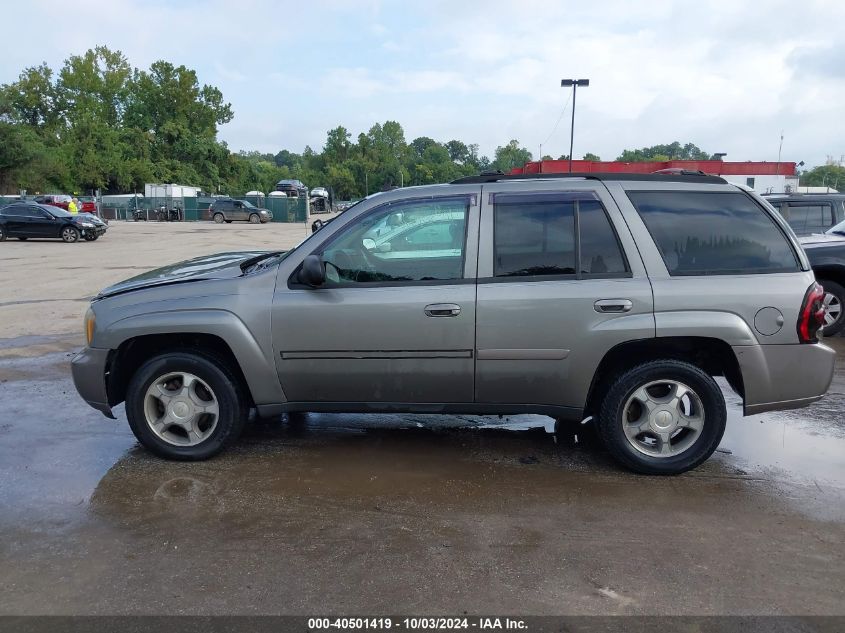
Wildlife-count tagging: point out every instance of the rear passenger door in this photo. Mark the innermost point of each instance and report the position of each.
(560, 283)
(238, 211)
(807, 218)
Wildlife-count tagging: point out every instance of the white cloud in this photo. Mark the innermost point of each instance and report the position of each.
(725, 75)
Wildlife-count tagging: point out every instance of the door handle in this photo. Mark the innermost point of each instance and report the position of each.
(613, 305)
(442, 310)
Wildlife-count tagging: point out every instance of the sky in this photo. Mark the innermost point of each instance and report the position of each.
(729, 76)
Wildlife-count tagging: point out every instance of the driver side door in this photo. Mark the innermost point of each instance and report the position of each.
(394, 322)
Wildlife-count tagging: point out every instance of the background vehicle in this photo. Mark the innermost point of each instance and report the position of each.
(827, 257)
(810, 213)
(229, 210)
(62, 201)
(292, 188)
(40, 221)
(614, 297)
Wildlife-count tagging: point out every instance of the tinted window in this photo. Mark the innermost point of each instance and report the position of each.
(12, 211)
(415, 241)
(57, 212)
(534, 238)
(805, 219)
(713, 233)
(600, 251)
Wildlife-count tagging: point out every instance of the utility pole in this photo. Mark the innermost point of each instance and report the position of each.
(565, 83)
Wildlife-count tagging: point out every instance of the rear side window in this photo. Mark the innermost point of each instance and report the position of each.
(713, 233)
(809, 218)
(554, 234)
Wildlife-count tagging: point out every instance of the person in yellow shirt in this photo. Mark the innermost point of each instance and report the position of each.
(71, 207)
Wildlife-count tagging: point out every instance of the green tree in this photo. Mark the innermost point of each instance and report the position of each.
(511, 155)
(672, 151)
(825, 176)
(591, 156)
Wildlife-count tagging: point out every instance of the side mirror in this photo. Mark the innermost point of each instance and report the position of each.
(313, 271)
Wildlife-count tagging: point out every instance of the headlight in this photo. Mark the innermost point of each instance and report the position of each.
(86, 225)
(263, 212)
(89, 326)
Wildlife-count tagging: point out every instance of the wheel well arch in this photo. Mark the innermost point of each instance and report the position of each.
(833, 272)
(133, 352)
(712, 355)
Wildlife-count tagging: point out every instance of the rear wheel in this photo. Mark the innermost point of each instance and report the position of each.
(834, 302)
(70, 234)
(663, 417)
(185, 406)
(218, 218)
(254, 219)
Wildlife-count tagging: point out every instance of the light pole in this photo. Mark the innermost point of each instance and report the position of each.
(565, 83)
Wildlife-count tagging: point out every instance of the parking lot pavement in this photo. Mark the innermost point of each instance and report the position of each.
(378, 514)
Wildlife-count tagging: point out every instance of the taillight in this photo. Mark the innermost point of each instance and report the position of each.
(812, 314)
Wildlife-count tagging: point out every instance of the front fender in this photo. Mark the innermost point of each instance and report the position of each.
(260, 375)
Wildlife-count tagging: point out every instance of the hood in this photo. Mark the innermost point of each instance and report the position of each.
(821, 238)
(219, 266)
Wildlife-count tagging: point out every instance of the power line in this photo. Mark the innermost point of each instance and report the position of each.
(559, 119)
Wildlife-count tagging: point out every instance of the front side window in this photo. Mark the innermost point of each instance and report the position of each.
(535, 235)
(409, 242)
(715, 233)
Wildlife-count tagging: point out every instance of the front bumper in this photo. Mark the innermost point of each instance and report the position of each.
(779, 377)
(89, 377)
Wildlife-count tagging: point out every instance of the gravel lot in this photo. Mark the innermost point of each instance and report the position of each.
(381, 514)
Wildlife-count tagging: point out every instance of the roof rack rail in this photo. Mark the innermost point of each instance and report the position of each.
(696, 178)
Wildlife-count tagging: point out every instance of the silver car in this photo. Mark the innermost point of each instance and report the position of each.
(616, 297)
(228, 210)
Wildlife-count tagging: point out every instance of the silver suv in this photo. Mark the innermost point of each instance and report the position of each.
(228, 209)
(613, 296)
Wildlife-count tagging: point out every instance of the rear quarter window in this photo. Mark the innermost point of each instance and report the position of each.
(713, 233)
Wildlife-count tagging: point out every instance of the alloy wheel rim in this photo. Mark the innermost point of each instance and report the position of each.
(832, 309)
(181, 409)
(68, 235)
(663, 418)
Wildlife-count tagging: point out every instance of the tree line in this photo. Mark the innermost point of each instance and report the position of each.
(99, 123)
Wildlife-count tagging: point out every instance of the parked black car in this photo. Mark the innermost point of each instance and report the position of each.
(809, 213)
(827, 257)
(100, 226)
(25, 220)
(293, 188)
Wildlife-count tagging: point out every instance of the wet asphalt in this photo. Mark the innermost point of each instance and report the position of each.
(408, 514)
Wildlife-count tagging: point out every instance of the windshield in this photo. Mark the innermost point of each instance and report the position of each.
(249, 205)
(56, 212)
(837, 229)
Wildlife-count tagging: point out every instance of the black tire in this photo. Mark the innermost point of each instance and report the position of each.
(218, 218)
(2, 233)
(69, 235)
(835, 289)
(23, 239)
(254, 218)
(216, 373)
(228, 221)
(91, 238)
(623, 387)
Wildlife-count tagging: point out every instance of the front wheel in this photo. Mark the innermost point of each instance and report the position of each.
(254, 219)
(70, 234)
(185, 406)
(664, 417)
(834, 301)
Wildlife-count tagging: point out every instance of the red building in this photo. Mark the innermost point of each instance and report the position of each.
(763, 177)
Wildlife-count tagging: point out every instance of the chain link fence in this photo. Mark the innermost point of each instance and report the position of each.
(183, 209)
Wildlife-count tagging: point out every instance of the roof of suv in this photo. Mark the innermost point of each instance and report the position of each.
(689, 178)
